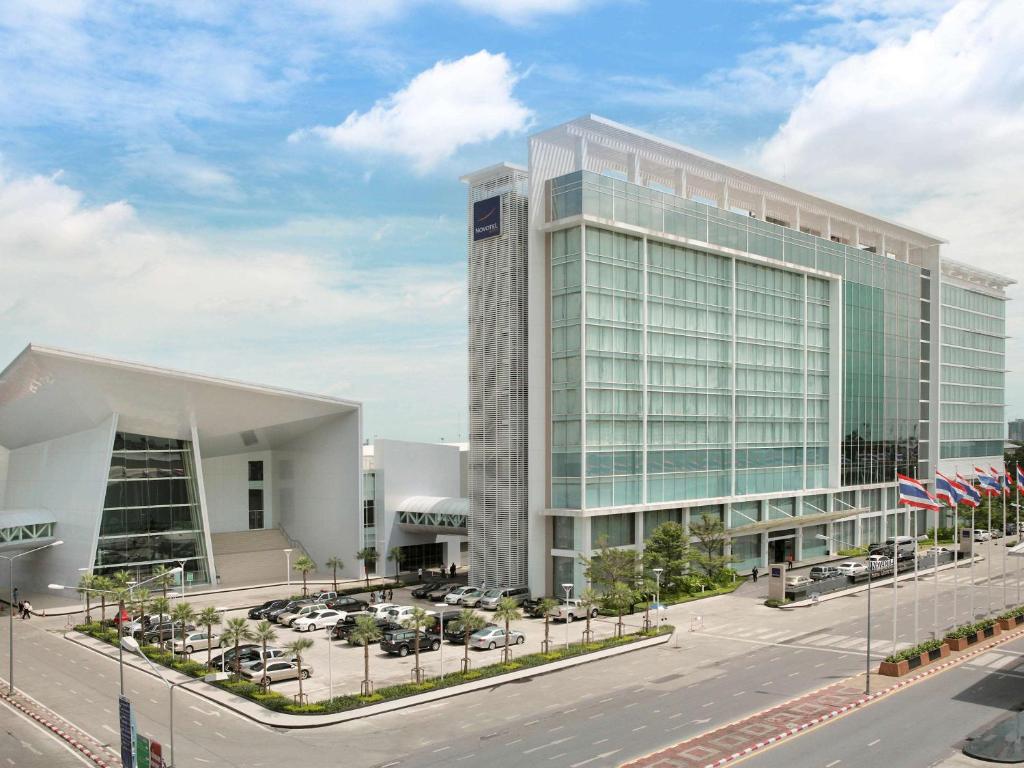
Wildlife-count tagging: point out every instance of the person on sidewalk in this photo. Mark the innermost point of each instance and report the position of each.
(452, 570)
(26, 610)
(753, 573)
(419, 575)
(391, 594)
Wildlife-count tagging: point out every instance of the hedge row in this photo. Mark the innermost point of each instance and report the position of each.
(917, 650)
(969, 630)
(1012, 613)
(280, 703)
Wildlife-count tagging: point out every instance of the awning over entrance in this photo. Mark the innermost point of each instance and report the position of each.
(434, 514)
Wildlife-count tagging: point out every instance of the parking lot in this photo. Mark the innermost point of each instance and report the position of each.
(342, 662)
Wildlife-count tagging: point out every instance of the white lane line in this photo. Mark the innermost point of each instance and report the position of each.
(594, 717)
(834, 762)
(109, 728)
(816, 666)
(600, 741)
(792, 674)
(740, 693)
(549, 744)
(567, 711)
(702, 706)
(560, 754)
(510, 743)
(556, 728)
(631, 705)
(442, 749)
(221, 735)
(595, 757)
(532, 722)
(639, 728)
(871, 744)
(465, 757)
(764, 684)
(604, 701)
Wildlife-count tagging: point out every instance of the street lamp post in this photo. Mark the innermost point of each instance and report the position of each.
(330, 666)
(10, 560)
(132, 646)
(442, 606)
(568, 591)
(867, 654)
(288, 566)
(657, 592)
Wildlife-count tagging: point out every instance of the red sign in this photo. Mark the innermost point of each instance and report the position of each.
(156, 757)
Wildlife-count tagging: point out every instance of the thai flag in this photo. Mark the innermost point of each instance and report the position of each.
(1020, 477)
(1003, 479)
(946, 490)
(971, 497)
(913, 494)
(990, 486)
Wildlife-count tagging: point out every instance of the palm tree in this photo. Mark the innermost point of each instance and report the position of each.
(305, 566)
(103, 585)
(121, 578)
(546, 606)
(334, 564)
(416, 618)
(365, 632)
(508, 611)
(299, 647)
(86, 585)
(237, 631)
(161, 606)
(368, 556)
(184, 613)
(619, 598)
(588, 599)
(263, 634)
(122, 595)
(209, 617)
(395, 555)
(163, 579)
(470, 621)
(141, 595)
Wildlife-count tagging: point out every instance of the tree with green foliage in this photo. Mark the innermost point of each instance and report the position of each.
(182, 613)
(368, 557)
(264, 633)
(395, 555)
(161, 607)
(86, 587)
(164, 578)
(708, 552)
(121, 579)
(507, 611)
(588, 600)
(619, 598)
(104, 587)
(297, 648)
(236, 632)
(545, 607)
(668, 549)
(209, 617)
(305, 566)
(469, 622)
(365, 632)
(417, 617)
(334, 564)
(139, 597)
(610, 566)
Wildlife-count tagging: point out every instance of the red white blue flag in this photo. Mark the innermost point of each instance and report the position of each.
(990, 486)
(947, 490)
(913, 494)
(1020, 477)
(971, 496)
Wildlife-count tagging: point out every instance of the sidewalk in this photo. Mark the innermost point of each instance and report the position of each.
(97, 753)
(770, 726)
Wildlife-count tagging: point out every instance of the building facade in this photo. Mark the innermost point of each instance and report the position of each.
(1016, 431)
(702, 341)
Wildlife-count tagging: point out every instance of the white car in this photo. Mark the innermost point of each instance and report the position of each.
(851, 568)
(287, 619)
(799, 580)
(494, 637)
(878, 561)
(571, 610)
(400, 613)
(452, 598)
(380, 610)
(317, 620)
(149, 620)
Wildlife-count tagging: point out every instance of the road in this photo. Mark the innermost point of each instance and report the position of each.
(24, 744)
(941, 711)
(746, 658)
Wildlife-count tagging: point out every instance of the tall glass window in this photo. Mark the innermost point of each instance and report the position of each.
(151, 512)
(615, 530)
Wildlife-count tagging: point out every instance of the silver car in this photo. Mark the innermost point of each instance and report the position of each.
(519, 595)
(277, 670)
(494, 637)
(194, 641)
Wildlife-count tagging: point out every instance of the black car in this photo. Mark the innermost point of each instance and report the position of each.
(438, 594)
(246, 652)
(165, 630)
(343, 629)
(347, 604)
(291, 605)
(404, 641)
(531, 607)
(454, 633)
(260, 611)
(433, 622)
(425, 589)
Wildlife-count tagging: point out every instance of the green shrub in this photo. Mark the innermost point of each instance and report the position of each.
(917, 650)
(852, 552)
(774, 602)
(1012, 613)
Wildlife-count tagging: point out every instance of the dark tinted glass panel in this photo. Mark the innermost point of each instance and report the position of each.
(134, 442)
(255, 471)
(255, 499)
(159, 493)
(179, 491)
(115, 495)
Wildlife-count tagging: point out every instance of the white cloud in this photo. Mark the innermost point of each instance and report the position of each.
(928, 129)
(450, 105)
(98, 278)
(524, 11)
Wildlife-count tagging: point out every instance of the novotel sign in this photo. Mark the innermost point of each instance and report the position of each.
(487, 218)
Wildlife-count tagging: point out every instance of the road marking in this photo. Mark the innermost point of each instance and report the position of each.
(532, 722)
(465, 757)
(154, 701)
(700, 722)
(603, 701)
(201, 760)
(639, 728)
(764, 684)
(29, 747)
(677, 714)
(595, 757)
(507, 744)
(819, 665)
(567, 711)
(218, 733)
(631, 705)
(739, 694)
(874, 742)
(600, 741)
(792, 674)
(549, 744)
(560, 754)
(594, 717)
(109, 728)
(442, 749)
(702, 706)
(834, 762)
(556, 728)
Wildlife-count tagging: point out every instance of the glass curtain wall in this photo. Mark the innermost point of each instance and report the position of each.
(151, 512)
(566, 381)
(973, 365)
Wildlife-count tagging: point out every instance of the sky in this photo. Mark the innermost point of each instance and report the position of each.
(269, 191)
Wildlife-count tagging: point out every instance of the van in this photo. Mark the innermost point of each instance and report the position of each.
(903, 544)
(819, 572)
(491, 597)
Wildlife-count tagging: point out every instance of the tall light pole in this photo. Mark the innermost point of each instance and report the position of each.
(10, 560)
(132, 646)
(330, 666)
(442, 606)
(867, 655)
(568, 591)
(657, 592)
(288, 566)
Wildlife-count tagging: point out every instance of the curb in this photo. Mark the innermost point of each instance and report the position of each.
(60, 732)
(867, 698)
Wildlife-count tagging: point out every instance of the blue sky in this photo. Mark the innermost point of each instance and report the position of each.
(269, 191)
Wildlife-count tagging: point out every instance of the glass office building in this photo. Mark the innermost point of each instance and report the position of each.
(703, 341)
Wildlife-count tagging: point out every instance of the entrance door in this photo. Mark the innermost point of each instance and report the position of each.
(782, 550)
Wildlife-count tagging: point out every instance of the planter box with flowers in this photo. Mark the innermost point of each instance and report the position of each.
(899, 664)
(1011, 619)
(969, 634)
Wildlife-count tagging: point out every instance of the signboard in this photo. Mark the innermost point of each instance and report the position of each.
(156, 755)
(190, 577)
(127, 721)
(487, 218)
(141, 751)
(777, 582)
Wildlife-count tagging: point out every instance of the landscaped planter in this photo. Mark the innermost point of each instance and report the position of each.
(960, 643)
(990, 631)
(904, 666)
(1007, 624)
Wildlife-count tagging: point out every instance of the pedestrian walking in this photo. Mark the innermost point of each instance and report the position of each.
(26, 610)
(16, 597)
(452, 570)
(391, 594)
(753, 573)
(419, 574)
(373, 597)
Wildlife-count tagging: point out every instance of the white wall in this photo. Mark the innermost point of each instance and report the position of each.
(227, 491)
(66, 476)
(318, 491)
(3, 472)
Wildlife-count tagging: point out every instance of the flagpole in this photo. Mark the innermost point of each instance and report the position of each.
(935, 564)
(916, 592)
(1002, 492)
(895, 596)
(956, 556)
(1016, 472)
(991, 543)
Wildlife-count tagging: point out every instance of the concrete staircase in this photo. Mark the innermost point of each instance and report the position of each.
(252, 557)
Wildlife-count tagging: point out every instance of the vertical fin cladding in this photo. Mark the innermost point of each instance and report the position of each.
(497, 282)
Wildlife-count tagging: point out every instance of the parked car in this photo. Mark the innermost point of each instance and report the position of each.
(819, 572)
(433, 622)
(276, 671)
(321, 619)
(455, 598)
(348, 604)
(194, 641)
(323, 596)
(288, 618)
(400, 613)
(252, 659)
(142, 623)
(380, 609)
(570, 610)
(164, 630)
(494, 637)
(996, 533)
(260, 611)
(491, 597)
(404, 641)
(289, 607)
(798, 581)
(442, 592)
(531, 607)
(425, 589)
(245, 651)
(344, 626)
(384, 624)
(981, 535)
(878, 561)
(472, 598)
(851, 568)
